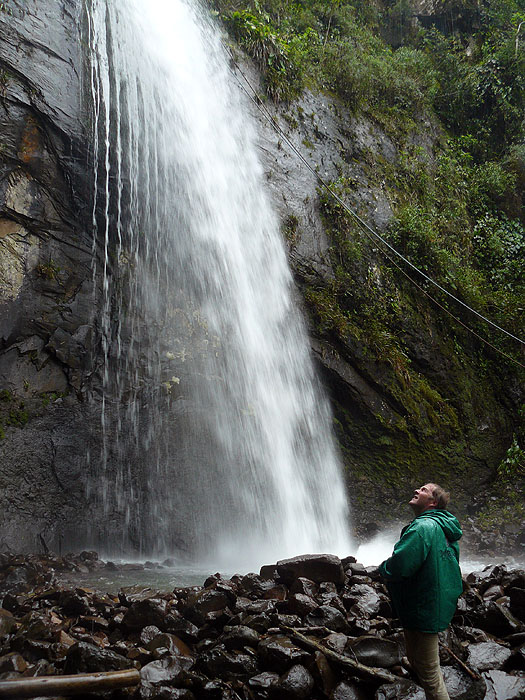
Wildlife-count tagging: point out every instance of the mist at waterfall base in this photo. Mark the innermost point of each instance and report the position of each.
(216, 441)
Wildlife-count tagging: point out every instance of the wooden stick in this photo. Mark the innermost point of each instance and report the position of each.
(68, 685)
(463, 665)
(347, 662)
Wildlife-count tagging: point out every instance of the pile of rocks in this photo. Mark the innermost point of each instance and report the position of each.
(310, 627)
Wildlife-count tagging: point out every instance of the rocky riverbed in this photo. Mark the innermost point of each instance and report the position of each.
(310, 627)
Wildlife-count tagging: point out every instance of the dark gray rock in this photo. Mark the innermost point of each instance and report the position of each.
(167, 670)
(517, 602)
(348, 691)
(296, 683)
(145, 613)
(496, 619)
(304, 586)
(327, 616)
(316, 567)
(227, 664)
(83, 657)
(461, 686)
(401, 690)
(503, 686)
(240, 636)
(301, 604)
(487, 655)
(278, 653)
(374, 651)
(201, 606)
(264, 681)
(362, 600)
(170, 642)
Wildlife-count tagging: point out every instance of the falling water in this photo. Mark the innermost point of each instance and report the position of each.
(215, 439)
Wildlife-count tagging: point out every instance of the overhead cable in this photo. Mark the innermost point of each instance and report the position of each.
(367, 229)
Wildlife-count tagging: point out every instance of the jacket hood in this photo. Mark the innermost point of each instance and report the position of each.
(449, 523)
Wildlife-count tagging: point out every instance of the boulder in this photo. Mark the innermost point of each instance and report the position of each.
(144, 613)
(503, 686)
(316, 567)
(296, 683)
(167, 670)
(327, 616)
(346, 690)
(487, 655)
(227, 664)
(400, 690)
(83, 657)
(278, 653)
(375, 651)
(240, 636)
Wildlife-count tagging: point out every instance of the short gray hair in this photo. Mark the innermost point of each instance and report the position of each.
(441, 496)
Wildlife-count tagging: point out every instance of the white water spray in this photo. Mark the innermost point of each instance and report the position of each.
(215, 437)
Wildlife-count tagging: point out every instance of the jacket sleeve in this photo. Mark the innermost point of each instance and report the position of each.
(408, 556)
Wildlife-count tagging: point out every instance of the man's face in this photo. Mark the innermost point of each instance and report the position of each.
(422, 499)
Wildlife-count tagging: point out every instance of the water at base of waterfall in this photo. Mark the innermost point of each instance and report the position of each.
(215, 436)
(178, 575)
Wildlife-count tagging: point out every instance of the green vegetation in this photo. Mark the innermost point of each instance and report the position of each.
(13, 413)
(448, 93)
(459, 208)
(49, 270)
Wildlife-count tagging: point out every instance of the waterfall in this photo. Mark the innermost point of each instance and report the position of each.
(215, 439)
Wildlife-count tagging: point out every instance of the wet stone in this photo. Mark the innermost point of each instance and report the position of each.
(374, 651)
(400, 690)
(336, 641)
(461, 685)
(503, 686)
(167, 670)
(143, 613)
(268, 572)
(296, 683)
(517, 602)
(304, 586)
(171, 643)
(259, 623)
(317, 568)
(83, 657)
(12, 662)
(322, 673)
(493, 592)
(333, 600)
(186, 630)
(278, 653)
(73, 603)
(7, 622)
(281, 620)
(365, 599)
(201, 606)
(225, 664)
(240, 636)
(487, 655)
(301, 604)
(496, 619)
(264, 681)
(348, 691)
(148, 633)
(327, 616)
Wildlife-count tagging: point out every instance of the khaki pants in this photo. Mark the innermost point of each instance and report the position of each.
(423, 654)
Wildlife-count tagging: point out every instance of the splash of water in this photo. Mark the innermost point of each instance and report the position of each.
(215, 437)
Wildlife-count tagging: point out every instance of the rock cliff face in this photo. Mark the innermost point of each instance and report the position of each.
(458, 426)
(49, 379)
(46, 286)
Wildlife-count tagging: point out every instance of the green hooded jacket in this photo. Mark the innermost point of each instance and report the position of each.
(423, 575)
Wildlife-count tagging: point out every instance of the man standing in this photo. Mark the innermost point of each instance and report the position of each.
(424, 582)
